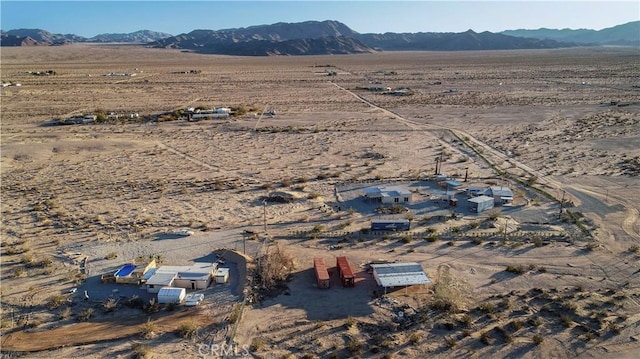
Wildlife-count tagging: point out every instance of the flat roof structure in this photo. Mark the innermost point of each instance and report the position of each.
(384, 191)
(399, 274)
(161, 279)
(500, 191)
(452, 183)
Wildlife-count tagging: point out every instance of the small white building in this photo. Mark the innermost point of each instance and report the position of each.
(171, 295)
(388, 194)
(222, 275)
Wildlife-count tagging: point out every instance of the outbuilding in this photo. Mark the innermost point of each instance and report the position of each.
(389, 275)
(222, 275)
(171, 295)
(501, 195)
(480, 204)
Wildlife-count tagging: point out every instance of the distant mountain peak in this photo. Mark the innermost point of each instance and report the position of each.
(334, 37)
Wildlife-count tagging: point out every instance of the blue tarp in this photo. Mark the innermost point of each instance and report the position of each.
(125, 270)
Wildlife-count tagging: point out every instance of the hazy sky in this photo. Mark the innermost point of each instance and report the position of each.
(90, 18)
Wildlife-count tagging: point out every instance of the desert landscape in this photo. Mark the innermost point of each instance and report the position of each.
(555, 273)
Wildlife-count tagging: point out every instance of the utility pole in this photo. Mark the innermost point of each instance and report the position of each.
(561, 205)
(466, 173)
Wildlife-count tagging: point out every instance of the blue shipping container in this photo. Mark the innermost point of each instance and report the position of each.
(390, 225)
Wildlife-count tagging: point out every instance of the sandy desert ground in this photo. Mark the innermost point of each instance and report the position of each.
(522, 281)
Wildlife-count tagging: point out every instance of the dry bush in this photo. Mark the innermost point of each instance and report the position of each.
(449, 293)
(65, 313)
(275, 266)
(56, 301)
(188, 330)
(148, 329)
(85, 315)
(141, 351)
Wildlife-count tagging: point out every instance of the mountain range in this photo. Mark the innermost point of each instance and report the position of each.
(333, 37)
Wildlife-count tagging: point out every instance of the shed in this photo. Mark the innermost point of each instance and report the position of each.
(171, 295)
(222, 275)
(480, 204)
(322, 275)
(500, 194)
(389, 275)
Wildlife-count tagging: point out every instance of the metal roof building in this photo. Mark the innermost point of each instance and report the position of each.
(388, 194)
(399, 274)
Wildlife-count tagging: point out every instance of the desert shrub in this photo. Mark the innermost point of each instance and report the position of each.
(448, 293)
(354, 346)
(414, 338)
(538, 339)
(494, 214)
(286, 182)
(477, 241)
(487, 307)
(257, 344)
(634, 248)
(537, 241)
(19, 272)
(536, 321)
(112, 255)
(516, 325)
(148, 329)
(188, 330)
(516, 269)
(485, 338)
(350, 322)
(141, 351)
(407, 238)
(566, 320)
(66, 313)
(85, 314)
(451, 342)
(275, 267)
(56, 301)
(109, 305)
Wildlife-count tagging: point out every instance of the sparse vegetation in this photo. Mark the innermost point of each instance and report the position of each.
(188, 330)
